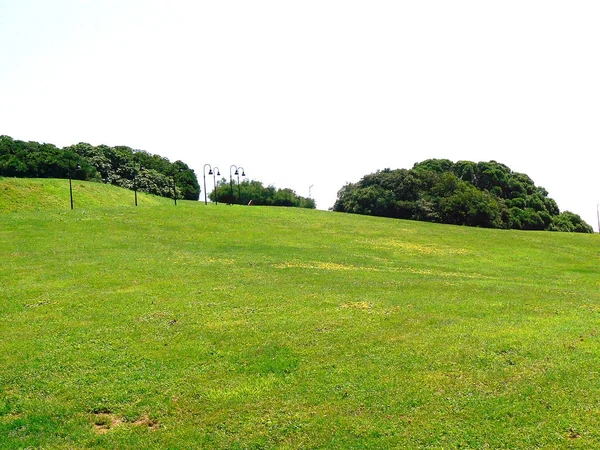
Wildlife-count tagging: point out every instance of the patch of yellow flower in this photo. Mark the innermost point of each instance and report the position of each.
(426, 249)
(344, 267)
(357, 305)
(322, 266)
(225, 261)
(442, 274)
(184, 257)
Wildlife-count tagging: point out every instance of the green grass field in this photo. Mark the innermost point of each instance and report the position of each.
(48, 194)
(250, 327)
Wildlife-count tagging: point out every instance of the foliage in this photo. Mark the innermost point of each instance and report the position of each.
(267, 328)
(246, 191)
(125, 167)
(119, 166)
(34, 160)
(568, 221)
(484, 194)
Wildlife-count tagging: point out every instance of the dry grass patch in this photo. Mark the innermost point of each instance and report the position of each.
(147, 422)
(105, 421)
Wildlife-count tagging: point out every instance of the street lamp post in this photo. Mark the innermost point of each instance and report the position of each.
(218, 173)
(174, 187)
(237, 169)
(231, 179)
(598, 214)
(135, 186)
(71, 183)
(210, 172)
(238, 179)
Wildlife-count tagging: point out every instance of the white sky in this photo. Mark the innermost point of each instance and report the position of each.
(314, 92)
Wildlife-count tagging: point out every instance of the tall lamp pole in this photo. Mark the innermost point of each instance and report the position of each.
(174, 187)
(237, 172)
(218, 173)
(238, 177)
(598, 214)
(231, 179)
(71, 183)
(210, 172)
(135, 185)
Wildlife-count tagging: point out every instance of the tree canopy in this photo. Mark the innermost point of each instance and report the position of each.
(131, 169)
(483, 194)
(254, 191)
(121, 166)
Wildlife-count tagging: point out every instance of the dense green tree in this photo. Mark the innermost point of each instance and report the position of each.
(260, 195)
(492, 176)
(568, 221)
(35, 160)
(468, 205)
(114, 165)
(465, 170)
(434, 165)
(484, 194)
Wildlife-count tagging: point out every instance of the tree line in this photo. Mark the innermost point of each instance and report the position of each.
(483, 194)
(120, 165)
(246, 191)
(131, 169)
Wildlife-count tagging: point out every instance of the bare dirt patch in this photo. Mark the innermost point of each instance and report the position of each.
(145, 421)
(105, 421)
(572, 434)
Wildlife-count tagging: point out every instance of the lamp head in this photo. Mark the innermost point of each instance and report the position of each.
(210, 172)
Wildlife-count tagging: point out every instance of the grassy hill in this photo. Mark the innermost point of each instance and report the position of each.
(245, 327)
(36, 194)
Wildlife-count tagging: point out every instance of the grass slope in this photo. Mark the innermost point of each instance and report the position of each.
(245, 327)
(47, 194)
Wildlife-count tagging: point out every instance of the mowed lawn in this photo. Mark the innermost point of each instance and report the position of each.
(196, 326)
(51, 194)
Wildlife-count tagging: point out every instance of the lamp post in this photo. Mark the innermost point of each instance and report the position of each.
(210, 172)
(238, 177)
(215, 183)
(231, 178)
(174, 187)
(78, 167)
(135, 186)
(598, 214)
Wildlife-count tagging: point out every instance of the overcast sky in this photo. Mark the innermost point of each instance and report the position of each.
(314, 93)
